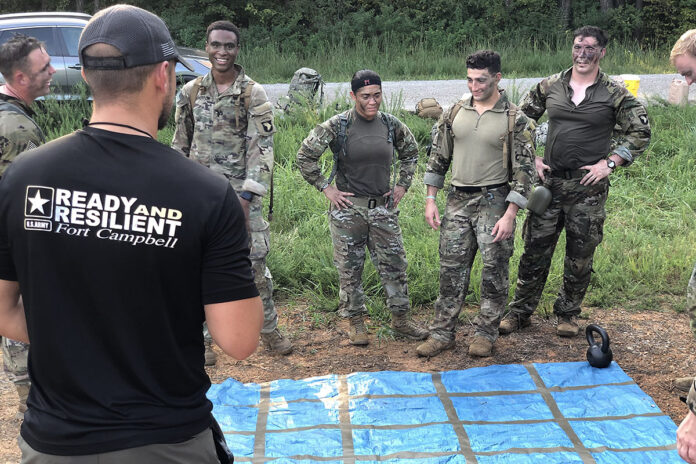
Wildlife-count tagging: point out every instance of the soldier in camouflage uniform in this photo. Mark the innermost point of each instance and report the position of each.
(27, 70)
(363, 205)
(490, 182)
(584, 105)
(230, 129)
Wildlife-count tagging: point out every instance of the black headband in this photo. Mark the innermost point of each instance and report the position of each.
(359, 83)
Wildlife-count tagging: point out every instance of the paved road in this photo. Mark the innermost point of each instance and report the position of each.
(447, 92)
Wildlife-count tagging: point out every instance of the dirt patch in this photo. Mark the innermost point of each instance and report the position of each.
(652, 347)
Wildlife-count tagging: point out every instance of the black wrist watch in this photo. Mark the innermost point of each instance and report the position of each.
(611, 164)
(246, 195)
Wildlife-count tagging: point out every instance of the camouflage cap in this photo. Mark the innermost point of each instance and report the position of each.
(140, 36)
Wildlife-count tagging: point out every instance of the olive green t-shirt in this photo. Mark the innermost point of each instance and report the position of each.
(365, 168)
(477, 154)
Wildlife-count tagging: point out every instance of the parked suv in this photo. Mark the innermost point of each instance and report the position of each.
(61, 34)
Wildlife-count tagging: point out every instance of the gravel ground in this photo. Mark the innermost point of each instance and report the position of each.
(447, 92)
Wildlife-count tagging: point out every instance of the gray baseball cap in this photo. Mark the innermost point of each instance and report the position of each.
(140, 36)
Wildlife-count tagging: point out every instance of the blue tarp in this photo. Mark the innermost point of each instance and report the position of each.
(536, 413)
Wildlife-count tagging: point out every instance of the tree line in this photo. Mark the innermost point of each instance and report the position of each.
(308, 25)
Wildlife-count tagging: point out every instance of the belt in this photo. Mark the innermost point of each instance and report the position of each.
(369, 203)
(568, 174)
(478, 189)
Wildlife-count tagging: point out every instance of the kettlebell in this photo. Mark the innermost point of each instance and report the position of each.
(598, 355)
(539, 200)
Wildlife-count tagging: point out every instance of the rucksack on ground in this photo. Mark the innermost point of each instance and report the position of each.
(428, 108)
(305, 85)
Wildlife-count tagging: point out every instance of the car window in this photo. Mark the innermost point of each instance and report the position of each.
(71, 38)
(44, 34)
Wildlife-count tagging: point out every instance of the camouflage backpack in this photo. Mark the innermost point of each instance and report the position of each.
(305, 84)
(428, 108)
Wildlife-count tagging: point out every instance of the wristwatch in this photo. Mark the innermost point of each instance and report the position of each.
(611, 164)
(323, 187)
(246, 195)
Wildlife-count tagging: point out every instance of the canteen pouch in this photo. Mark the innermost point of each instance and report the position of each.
(539, 200)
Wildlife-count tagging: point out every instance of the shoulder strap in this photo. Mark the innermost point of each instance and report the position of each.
(453, 113)
(195, 88)
(509, 143)
(390, 127)
(390, 138)
(16, 109)
(339, 146)
(246, 95)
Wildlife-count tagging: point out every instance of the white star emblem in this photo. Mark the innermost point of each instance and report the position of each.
(37, 203)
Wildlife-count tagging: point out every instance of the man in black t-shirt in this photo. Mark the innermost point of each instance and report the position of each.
(110, 233)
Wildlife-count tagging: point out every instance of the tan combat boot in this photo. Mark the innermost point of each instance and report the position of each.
(358, 331)
(405, 327)
(683, 384)
(513, 322)
(276, 342)
(567, 326)
(23, 392)
(480, 346)
(432, 347)
(210, 356)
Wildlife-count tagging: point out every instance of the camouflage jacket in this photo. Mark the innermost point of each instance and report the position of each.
(222, 134)
(629, 114)
(321, 137)
(18, 131)
(522, 159)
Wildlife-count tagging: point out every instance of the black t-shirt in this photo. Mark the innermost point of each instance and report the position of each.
(117, 242)
(579, 135)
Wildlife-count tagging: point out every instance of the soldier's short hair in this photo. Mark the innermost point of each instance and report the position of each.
(685, 44)
(225, 26)
(484, 59)
(593, 31)
(111, 84)
(14, 54)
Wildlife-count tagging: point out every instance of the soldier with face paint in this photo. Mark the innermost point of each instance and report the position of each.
(583, 105)
(363, 204)
(229, 128)
(489, 186)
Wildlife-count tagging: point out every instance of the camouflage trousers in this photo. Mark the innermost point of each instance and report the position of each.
(466, 227)
(15, 355)
(259, 245)
(691, 301)
(353, 229)
(580, 210)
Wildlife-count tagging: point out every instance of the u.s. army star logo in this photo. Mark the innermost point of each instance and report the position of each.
(39, 201)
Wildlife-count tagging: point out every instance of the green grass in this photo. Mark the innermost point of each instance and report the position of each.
(394, 61)
(644, 261)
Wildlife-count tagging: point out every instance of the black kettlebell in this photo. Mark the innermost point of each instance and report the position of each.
(598, 355)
